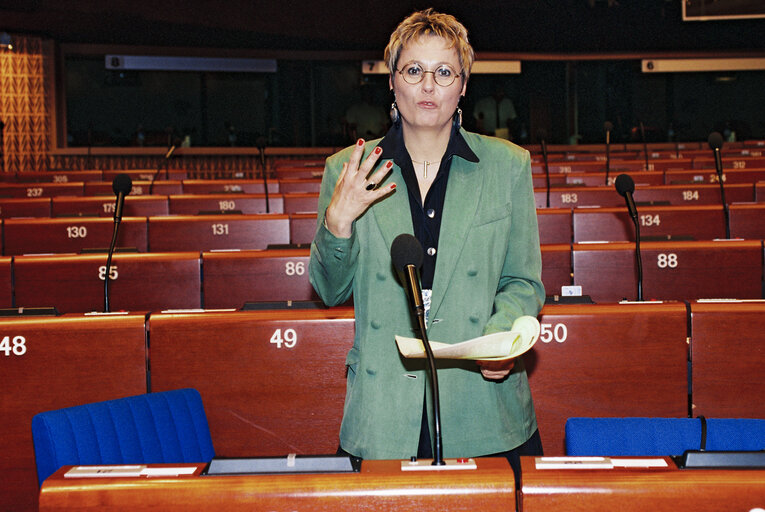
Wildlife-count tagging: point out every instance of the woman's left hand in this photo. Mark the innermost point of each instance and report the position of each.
(496, 370)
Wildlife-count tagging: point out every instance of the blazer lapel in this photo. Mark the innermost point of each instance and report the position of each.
(462, 196)
(392, 213)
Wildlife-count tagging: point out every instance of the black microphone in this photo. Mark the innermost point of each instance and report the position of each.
(407, 255)
(164, 162)
(625, 187)
(542, 136)
(716, 142)
(121, 185)
(608, 126)
(261, 143)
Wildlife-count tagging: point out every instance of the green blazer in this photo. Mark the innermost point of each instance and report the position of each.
(488, 273)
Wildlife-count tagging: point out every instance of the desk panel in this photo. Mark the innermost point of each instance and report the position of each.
(59, 176)
(300, 186)
(75, 283)
(301, 203)
(157, 174)
(665, 222)
(253, 186)
(103, 206)
(249, 204)
(636, 489)
(233, 278)
(217, 232)
(302, 228)
(598, 179)
(607, 360)
(554, 225)
(747, 221)
(710, 176)
(57, 362)
(379, 486)
(727, 357)
(671, 270)
(6, 280)
(71, 235)
(140, 188)
(272, 382)
(32, 190)
(556, 267)
(26, 207)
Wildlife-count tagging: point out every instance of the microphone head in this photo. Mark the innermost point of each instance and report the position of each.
(122, 183)
(624, 184)
(715, 140)
(608, 126)
(406, 250)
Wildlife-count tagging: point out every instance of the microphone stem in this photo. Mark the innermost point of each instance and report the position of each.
(419, 310)
(718, 166)
(638, 259)
(608, 155)
(547, 171)
(117, 221)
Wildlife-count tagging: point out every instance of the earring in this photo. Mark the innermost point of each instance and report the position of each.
(395, 117)
(457, 122)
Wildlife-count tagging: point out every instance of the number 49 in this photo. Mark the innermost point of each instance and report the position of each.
(289, 339)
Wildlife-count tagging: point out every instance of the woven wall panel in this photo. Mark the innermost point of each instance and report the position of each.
(25, 105)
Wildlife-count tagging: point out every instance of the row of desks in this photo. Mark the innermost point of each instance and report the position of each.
(148, 230)
(228, 279)
(273, 382)
(382, 485)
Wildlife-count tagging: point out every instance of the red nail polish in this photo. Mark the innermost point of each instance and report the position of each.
(360, 142)
(378, 150)
(392, 186)
(389, 164)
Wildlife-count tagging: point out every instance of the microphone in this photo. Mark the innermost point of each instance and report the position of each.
(121, 185)
(166, 162)
(625, 187)
(716, 142)
(407, 255)
(608, 126)
(542, 136)
(261, 143)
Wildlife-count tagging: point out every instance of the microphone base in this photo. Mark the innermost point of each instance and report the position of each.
(427, 465)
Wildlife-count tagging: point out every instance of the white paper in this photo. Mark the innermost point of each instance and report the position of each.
(169, 471)
(496, 346)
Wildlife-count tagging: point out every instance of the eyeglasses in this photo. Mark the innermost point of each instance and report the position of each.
(444, 75)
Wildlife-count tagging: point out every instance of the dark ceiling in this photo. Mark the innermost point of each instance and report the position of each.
(495, 26)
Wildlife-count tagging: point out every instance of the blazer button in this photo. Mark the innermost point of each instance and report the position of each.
(375, 324)
(474, 319)
(472, 272)
(381, 276)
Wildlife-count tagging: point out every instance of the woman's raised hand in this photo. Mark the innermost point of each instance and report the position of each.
(356, 190)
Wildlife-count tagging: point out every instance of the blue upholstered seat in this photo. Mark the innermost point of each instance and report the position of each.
(169, 426)
(660, 436)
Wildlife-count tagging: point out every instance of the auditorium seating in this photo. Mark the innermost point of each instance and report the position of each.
(194, 204)
(221, 232)
(74, 283)
(661, 436)
(228, 186)
(71, 235)
(680, 270)
(166, 427)
(140, 187)
(135, 206)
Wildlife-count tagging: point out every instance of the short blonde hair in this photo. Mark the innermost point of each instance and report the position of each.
(430, 23)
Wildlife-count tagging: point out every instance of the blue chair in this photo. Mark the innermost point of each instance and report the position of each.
(169, 426)
(660, 436)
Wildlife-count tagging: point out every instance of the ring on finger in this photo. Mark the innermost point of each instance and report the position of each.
(371, 186)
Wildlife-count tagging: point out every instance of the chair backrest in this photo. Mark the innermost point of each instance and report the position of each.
(660, 436)
(169, 426)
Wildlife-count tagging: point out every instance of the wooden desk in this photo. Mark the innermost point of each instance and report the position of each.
(747, 221)
(251, 186)
(301, 202)
(554, 225)
(217, 232)
(300, 185)
(75, 283)
(140, 188)
(272, 382)
(302, 228)
(668, 222)
(727, 359)
(71, 235)
(147, 174)
(556, 267)
(233, 278)
(103, 206)
(607, 360)
(194, 204)
(710, 176)
(31, 190)
(640, 489)
(59, 176)
(380, 485)
(597, 179)
(57, 362)
(6, 280)
(25, 207)
(677, 270)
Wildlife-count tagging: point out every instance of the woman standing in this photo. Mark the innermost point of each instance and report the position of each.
(469, 201)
